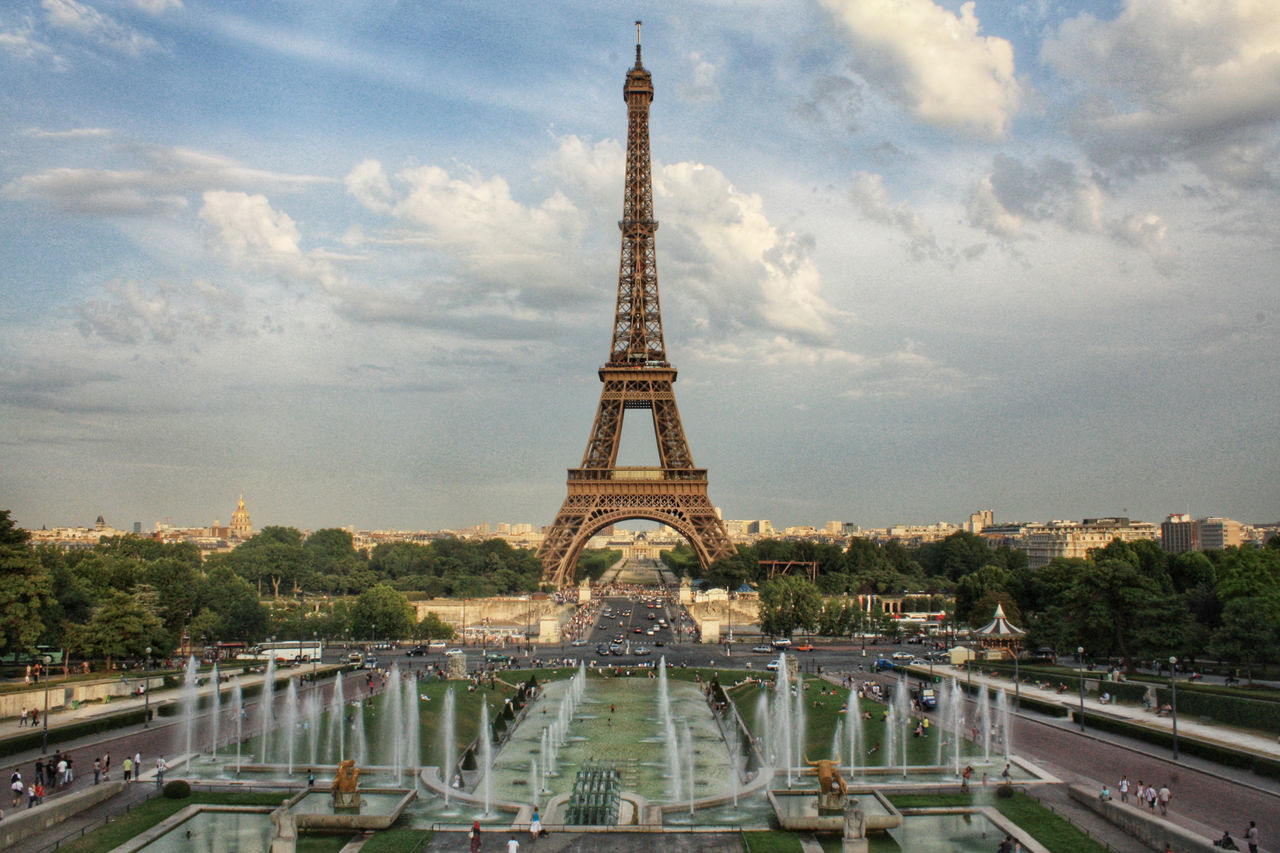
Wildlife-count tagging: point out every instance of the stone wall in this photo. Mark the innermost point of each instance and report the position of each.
(22, 824)
(1151, 829)
(62, 695)
(497, 613)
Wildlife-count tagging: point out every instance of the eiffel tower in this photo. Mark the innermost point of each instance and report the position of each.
(637, 376)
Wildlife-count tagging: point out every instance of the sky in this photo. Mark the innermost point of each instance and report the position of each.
(357, 261)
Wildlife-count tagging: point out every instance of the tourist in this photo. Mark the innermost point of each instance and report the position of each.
(1124, 789)
(964, 778)
(311, 778)
(97, 770)
(1152, 796)
(513, 846)
(1226, 842)
(39, 792)
(16, 788)
(1164, 796)
(128, 768)
(31, 796)
(475, 837)
(106, 767)
(1251, 836)
(1105, 796)
(535, 825)
(161, 766)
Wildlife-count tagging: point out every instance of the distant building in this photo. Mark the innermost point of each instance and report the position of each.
(980, 520)
(1046, 542)
(241, 527)
(1179, 533)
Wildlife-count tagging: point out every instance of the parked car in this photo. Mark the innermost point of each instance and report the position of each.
(418, 651)
(642, 650)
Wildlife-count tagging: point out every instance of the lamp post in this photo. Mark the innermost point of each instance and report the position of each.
(1080, 664)
(1016, 680)
(1173, 704)
(44, 737)
(146, 692)
(315, 654)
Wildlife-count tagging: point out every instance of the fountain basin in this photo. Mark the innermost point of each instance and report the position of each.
(797, 810)
(379, 808)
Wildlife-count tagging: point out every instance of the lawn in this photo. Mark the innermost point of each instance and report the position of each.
(1054, 832)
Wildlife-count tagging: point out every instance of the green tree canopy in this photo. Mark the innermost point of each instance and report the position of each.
(26, 589)
(789, 603)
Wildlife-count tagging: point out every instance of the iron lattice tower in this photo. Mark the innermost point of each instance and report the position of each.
(637, 376)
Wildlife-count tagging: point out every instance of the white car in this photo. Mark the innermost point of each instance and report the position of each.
(902, 656)
(772, 666)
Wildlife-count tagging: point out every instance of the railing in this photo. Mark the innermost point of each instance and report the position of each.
(638, 474)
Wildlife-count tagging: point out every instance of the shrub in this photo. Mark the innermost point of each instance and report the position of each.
(1005, 792)
(177, 789)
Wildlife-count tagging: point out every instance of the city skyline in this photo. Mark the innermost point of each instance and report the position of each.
(918, 258)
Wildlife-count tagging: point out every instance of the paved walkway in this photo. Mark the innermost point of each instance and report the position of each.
(1257, 743)
(596, 842)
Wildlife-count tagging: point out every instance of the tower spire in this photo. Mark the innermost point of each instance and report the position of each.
(638, 65)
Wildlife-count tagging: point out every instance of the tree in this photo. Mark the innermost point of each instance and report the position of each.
(432, 627)
(122, 626)
(787, 603)
(228, 609)
(976, 591)
(25, 589)
(382, 611)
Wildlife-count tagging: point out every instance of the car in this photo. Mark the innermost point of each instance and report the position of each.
(417, 651)
(642, 650)
(497, 657)
(617, 649)
(355, 657)
(918, 662)
(928, 698)
(453, 652)
(804, 647)
(370, 663)
(578, 642)
(902, 656)
(602, 650)
(763, 650)
(602, 626)
(772, 666)
(782, 644)
(651, 616)
(658, 643)
(638, 630)
(882, 664)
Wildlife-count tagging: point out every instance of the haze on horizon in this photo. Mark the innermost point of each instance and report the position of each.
(917, 258)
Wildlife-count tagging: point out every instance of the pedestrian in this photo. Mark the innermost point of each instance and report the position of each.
(60, 777)
(39, 769)
(137, 765)
(22, 718)
(475, 837)
(1140, 793)
(128, 768)
(70, 775)
(39, 792)
(1251, 836)
(964, 777)
(311, 778)
(535, 826)
(161, 766)
(106, 767)
(1124, 788)
(15, 789)
(97, 770)
(1164, 796)
(513, 846)
(31, 796)
(1152, 796)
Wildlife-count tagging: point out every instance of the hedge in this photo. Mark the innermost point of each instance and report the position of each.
(1257, 714)
(1261, 765)
(32, 739)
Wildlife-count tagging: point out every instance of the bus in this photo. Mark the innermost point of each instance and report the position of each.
(285, 651)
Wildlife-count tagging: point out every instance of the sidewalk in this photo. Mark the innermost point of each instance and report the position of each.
(1188, 727)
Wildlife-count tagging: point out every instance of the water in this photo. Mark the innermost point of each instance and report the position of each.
(267, 711)
(447, 736)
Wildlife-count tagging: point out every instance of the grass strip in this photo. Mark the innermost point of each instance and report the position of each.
(1051, 830)
(397, 841)
(771, 841)
(146, 815)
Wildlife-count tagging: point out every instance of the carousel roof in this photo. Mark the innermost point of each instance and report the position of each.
(1000, 626)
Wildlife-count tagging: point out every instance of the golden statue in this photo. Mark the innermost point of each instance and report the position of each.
(828, 775)
(346, 778)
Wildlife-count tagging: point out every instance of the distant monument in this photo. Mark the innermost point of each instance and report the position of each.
(345, 795)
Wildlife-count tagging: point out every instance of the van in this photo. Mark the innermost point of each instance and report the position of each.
(782, 644)
(355, 657)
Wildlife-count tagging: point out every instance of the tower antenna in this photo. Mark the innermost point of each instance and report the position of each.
(637, 44)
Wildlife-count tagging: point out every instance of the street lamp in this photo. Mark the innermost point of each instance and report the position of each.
(146, 692)
(1173, 704)
(44, 737)
(1080, 663)
(315, 653)
(1016, 680)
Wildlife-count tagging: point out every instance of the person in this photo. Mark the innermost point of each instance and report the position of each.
(1124, 789)
(1006, 846)
(97, 770)
(1007, 773)
(964, 778)
(39, 792)
(311, 778)
(16, 788)
(106, 767)
(1226, 842)
(513, 846)
(161, 766)
(474, 835)
(535, 825)
(1251, 837)
(1152, 796)
(1164, 796)
(128, 768)
(31, 796)
(1105, 796)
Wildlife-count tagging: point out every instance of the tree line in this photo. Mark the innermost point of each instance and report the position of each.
(1130, 601)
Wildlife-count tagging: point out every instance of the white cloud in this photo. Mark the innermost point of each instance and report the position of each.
(72, 133)
(1200, 80)
(703, 82)
(871, 197)
(133, 312)
(155, 7)
(159, 186)
(932, 61)
(257, 236)
(102, 29)
(23, 43)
